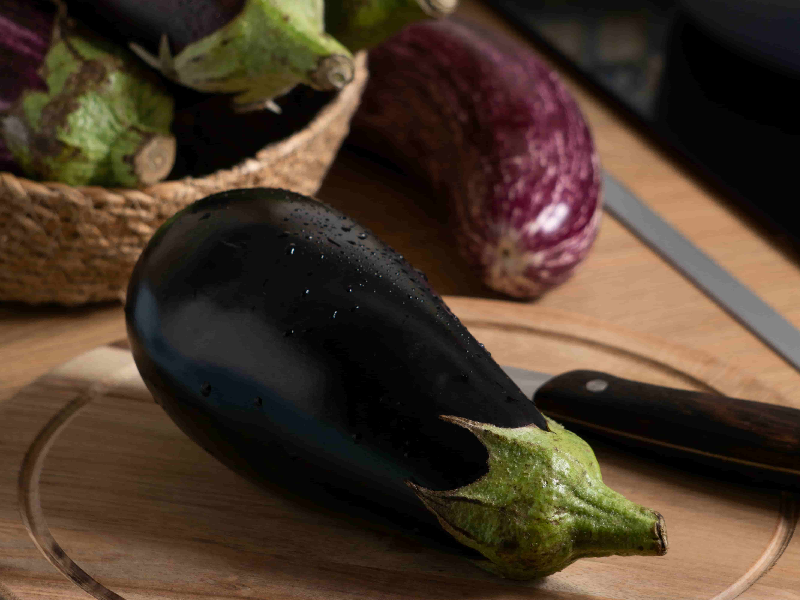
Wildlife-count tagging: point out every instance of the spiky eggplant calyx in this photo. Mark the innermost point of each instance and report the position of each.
(542, 505)
(360, 24)
(267, 49)
(103, 119)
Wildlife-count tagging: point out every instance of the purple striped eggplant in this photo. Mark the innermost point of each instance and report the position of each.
(497, 133)
(304, 353)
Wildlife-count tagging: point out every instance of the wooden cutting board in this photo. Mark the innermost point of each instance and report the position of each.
(94, 471)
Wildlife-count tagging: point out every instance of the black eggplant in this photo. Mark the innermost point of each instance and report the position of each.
(301, 351)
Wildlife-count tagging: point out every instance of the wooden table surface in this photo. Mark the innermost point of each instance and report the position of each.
(621, 282)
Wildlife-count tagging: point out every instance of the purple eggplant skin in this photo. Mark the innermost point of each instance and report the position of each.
(497, 133)
(301, 351)
(26, 31)
(144, 22)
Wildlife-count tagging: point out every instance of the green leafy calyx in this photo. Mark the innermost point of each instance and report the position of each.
(542, 505)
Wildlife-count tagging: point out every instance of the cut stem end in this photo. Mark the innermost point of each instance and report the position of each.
(333, 72)
(661, 534)
(438, 8)
(155, 158)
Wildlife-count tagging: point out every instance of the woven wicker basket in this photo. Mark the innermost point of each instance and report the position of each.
(76, 245)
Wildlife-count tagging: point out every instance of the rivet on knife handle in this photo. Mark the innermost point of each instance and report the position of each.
(751, 441)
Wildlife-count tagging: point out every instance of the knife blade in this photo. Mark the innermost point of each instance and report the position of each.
(729, 293)
(742, 440)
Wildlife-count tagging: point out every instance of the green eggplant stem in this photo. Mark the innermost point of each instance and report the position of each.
(265, 51)
(362, 24)
(103, 119)
(542, 505)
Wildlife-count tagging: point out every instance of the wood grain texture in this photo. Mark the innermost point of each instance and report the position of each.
(147, 514)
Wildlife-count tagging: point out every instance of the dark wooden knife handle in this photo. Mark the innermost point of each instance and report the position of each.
(753, 441)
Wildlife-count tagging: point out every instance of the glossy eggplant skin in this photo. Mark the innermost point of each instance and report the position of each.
(183, 21)
(303, 352)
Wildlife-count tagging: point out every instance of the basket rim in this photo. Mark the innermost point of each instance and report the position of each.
(341, 102)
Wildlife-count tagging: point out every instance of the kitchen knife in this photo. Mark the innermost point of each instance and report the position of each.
(742, 440)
